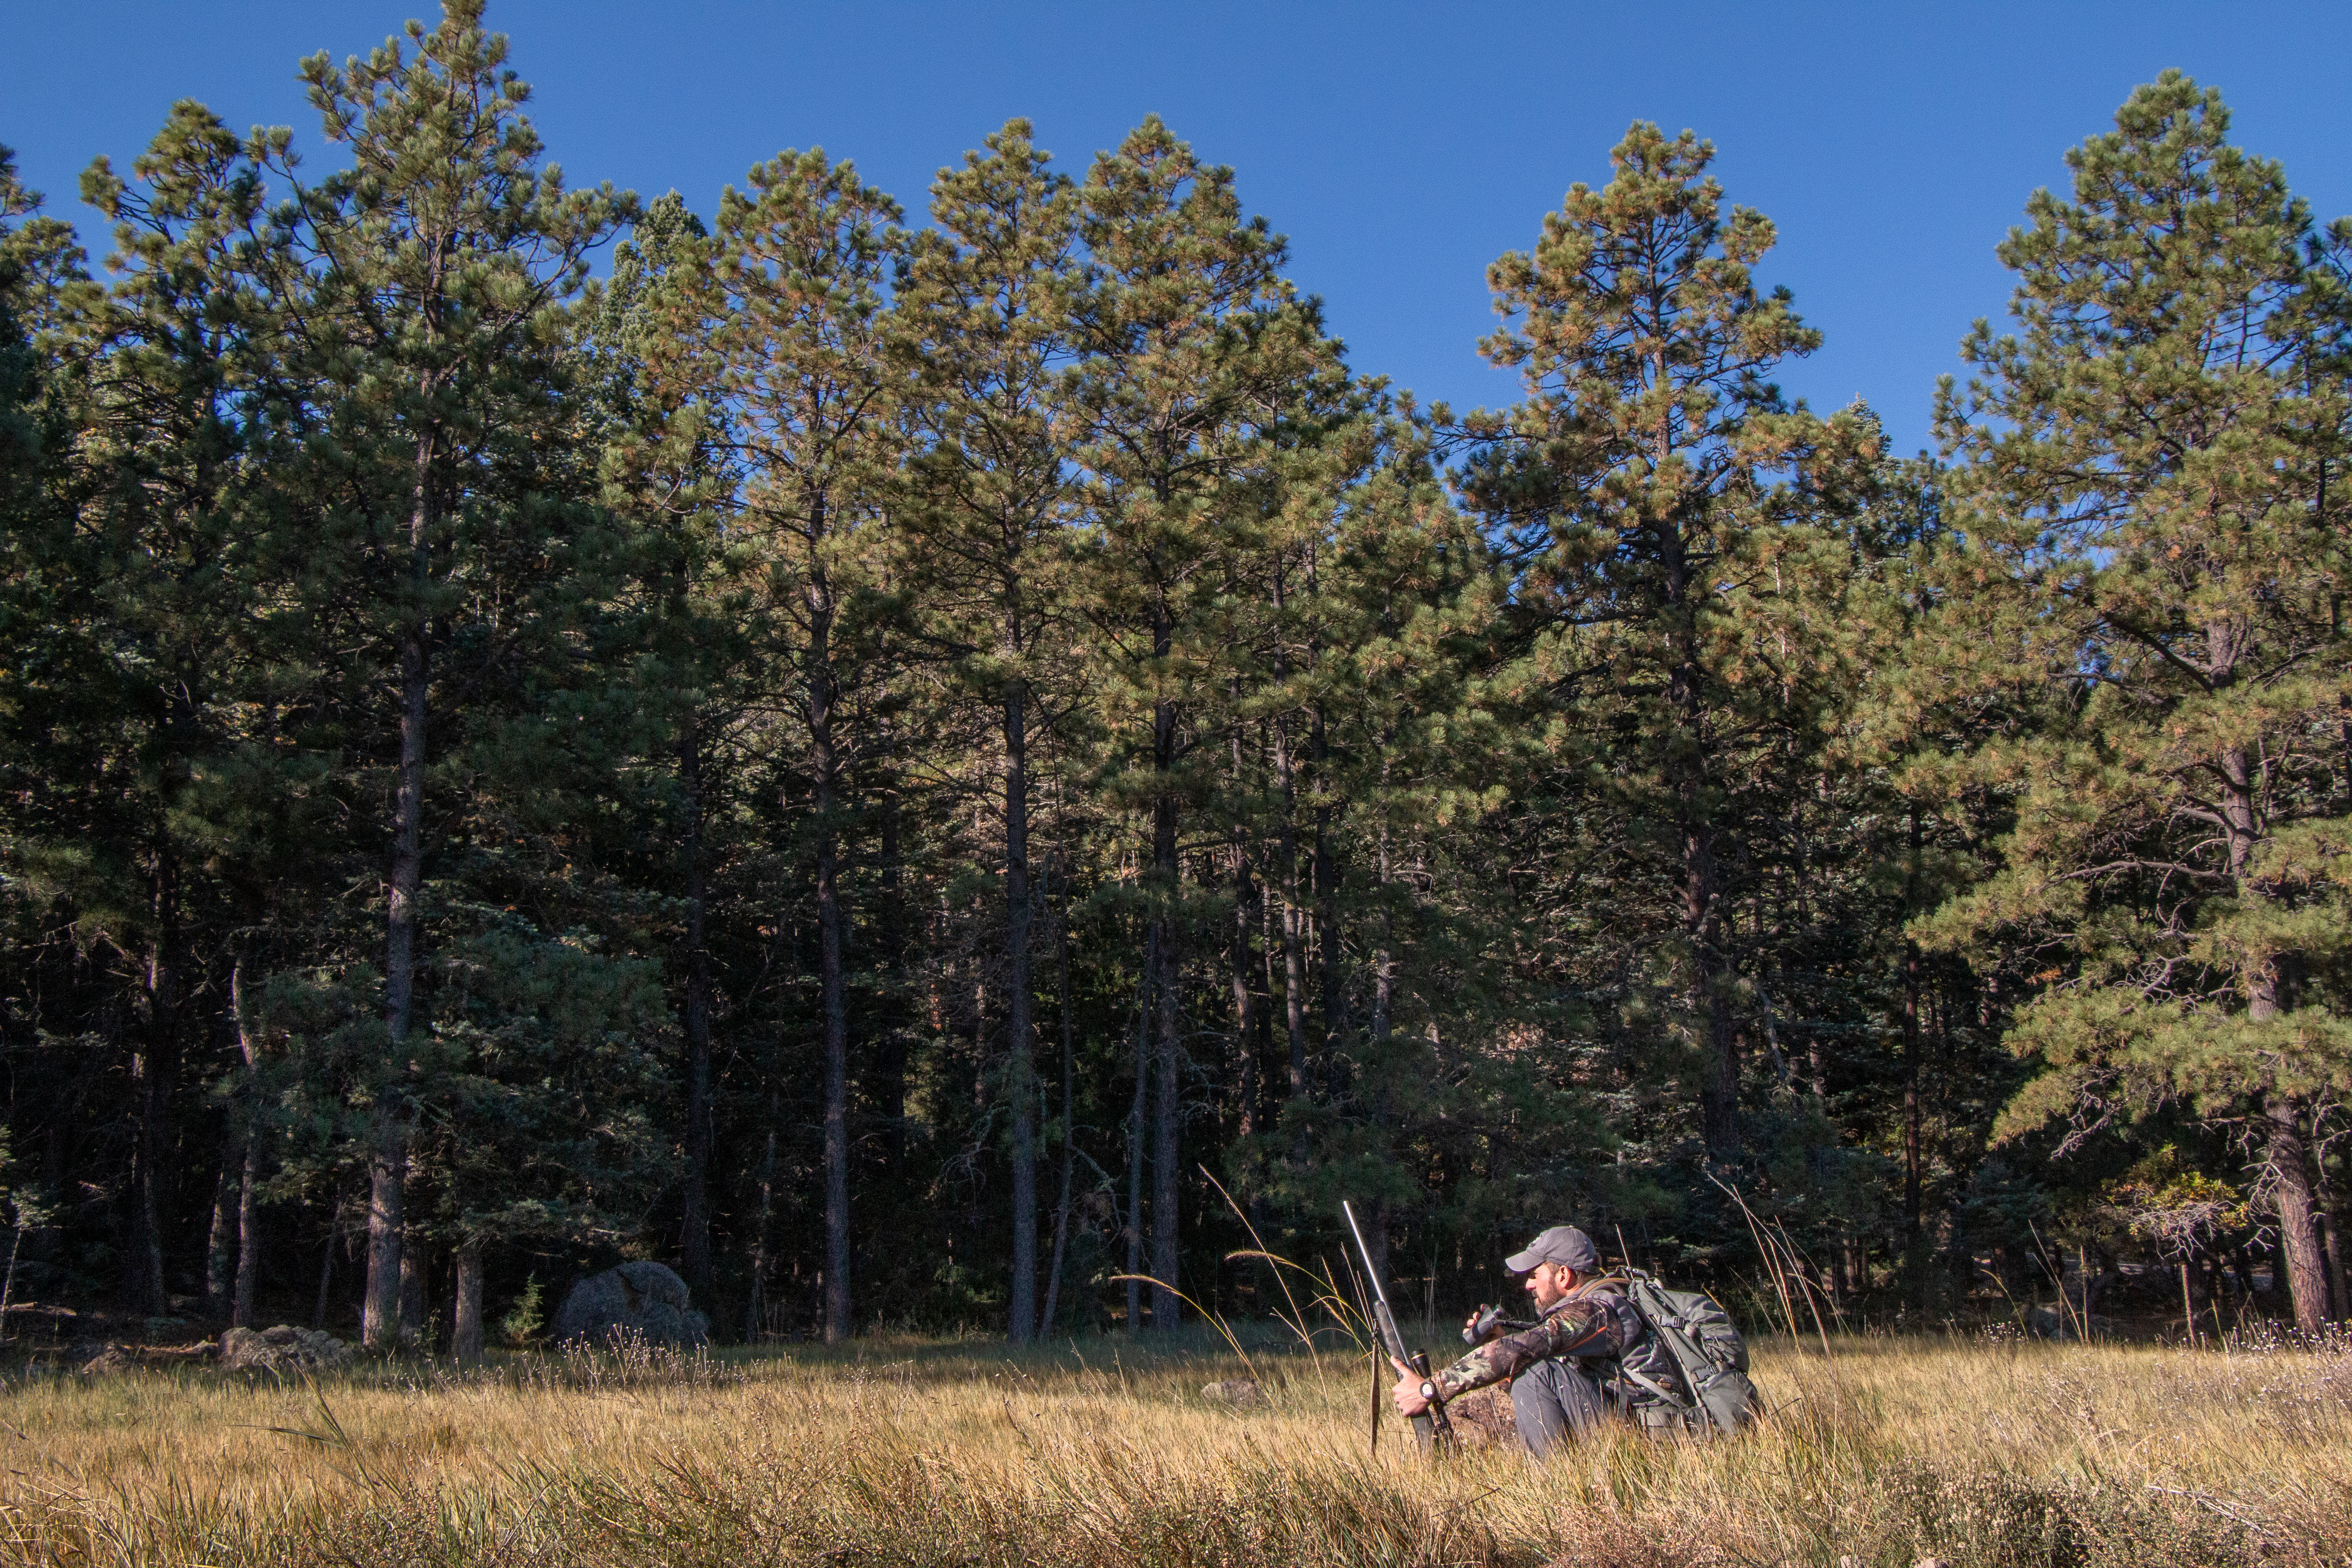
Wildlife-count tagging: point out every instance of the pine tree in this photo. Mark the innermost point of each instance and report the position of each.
(438, 262)
(690, 666)
(983, 327)
(2149, 582)
(1656, 496)
(1196, 351)
(182, 346)
(794, 360)
(51, 674)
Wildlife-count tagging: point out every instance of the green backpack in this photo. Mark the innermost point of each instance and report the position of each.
(1691, 1374)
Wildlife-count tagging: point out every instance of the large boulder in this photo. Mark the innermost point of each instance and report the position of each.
(636, 1299)
(107, 1359)
(284, 1350)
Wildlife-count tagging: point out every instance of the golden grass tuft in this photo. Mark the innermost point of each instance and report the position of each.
(903, 1451)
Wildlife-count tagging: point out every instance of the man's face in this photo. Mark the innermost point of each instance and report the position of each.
(1548, 1282)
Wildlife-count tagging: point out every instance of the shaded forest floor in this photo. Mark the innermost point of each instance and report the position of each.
(1101, 1452)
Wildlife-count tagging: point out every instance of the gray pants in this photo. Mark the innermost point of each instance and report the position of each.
(1553, 1401)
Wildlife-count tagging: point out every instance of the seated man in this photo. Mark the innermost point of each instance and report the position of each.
(1554, 1367)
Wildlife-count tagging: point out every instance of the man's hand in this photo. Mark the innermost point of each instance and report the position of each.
(1409, 1402)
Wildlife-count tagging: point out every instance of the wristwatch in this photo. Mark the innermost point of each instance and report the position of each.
(1428, 1392)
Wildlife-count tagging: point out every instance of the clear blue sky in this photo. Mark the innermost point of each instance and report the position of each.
(1401, 147)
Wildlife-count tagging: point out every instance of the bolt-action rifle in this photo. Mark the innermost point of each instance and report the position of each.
(1431, 1426)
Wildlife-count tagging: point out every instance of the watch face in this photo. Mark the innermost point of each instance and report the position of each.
(1429, 1391)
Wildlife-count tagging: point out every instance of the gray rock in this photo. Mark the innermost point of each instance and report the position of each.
(636, 1298)
(113, 1359)
(282, 1349)
(1233, 1390)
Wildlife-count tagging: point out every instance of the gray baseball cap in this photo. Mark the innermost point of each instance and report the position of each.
(1563, 1245)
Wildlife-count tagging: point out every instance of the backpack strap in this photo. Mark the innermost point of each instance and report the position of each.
(1670, 1398)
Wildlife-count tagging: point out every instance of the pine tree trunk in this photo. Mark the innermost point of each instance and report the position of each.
(1384, 975)
(1269, 948)
(1137, 1132)
(1703, 930)
(387, 1178)
(326, 1277)
(388, 1132)
(1914, 1211)
(837, 1325)
(2288, 1170)
(1326, 920)
(1381, 1000)
(755, 1301)
(1246, 1088)
(248, 1236)
(1062, 1204)
(2332, 1242)
(979, 1034)
(695, 1215)
(892, 939)
(248, 1219)
(1021, 1083)
(1914, 1204)
(1245, 1076)
(1285, 857)
(2287, 1166)
(465, 1327)
(218, 1241)
(152, 1067)
(1294, 963)
(388, 1151)
(412, 1291)
(1165, 1173)
(1720, 1100)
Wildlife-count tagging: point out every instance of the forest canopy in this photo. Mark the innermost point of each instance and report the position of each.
(959, 764)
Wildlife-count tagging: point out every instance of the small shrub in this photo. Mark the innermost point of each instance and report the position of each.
(523, 1320)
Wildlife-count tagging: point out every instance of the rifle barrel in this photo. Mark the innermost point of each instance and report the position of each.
(1379, 1292)
(1428, 1426)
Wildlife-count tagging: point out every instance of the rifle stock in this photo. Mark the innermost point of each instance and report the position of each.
(1432, 1425)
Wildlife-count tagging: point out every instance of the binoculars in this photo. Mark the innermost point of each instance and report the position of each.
(1489, 1322)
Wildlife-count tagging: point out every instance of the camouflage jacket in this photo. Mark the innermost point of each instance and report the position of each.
(1597, 1321)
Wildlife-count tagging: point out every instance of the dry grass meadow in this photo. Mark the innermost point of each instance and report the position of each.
(929, 1452)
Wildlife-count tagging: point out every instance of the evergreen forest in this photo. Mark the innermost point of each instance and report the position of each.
(954, 763)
